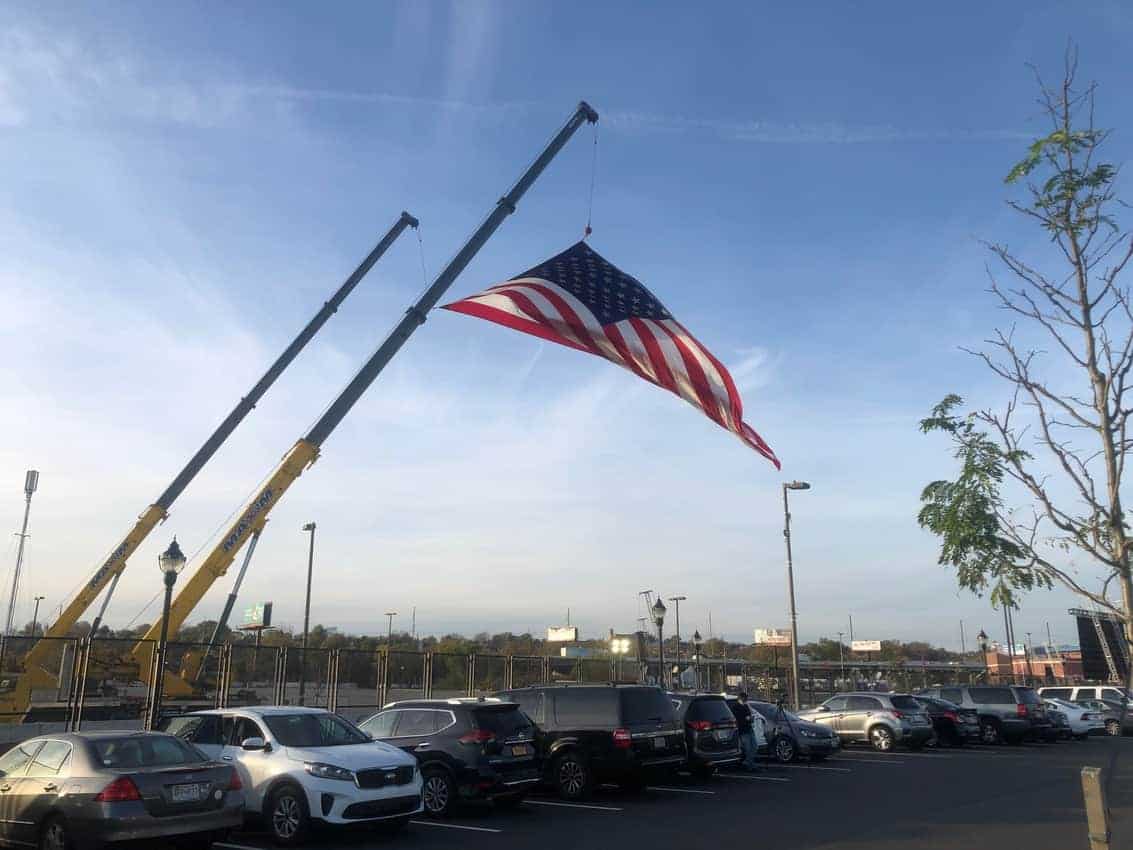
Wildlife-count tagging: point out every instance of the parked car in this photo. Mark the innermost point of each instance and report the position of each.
(300, 765)
(466, 748)
(86, 790)
(1007, 712)
(758, 724)
(1082, 721)
(710, 732)
(953, 726)
(1075, 693)
(1117, 718)
(789, 737)
(602, 733)
(882, 720)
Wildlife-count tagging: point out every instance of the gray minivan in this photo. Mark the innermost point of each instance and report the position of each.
(1007, 712)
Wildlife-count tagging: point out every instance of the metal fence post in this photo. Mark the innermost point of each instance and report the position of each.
(428, 677)
(472, 674)
(332, 679)
(544, 670)
(280, 675)
(509, 672)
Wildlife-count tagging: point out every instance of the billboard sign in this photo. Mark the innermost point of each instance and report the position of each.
(773, 637)
(258, 616)
(562, 634)
(866, 646)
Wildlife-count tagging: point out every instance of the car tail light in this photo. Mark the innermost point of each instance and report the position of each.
(700, 725)
(951, 715)
(234, 783)
(478, 736)
(896, 714)
(622, 739)
(1021, 709)
(1087, 716)
(119, 791)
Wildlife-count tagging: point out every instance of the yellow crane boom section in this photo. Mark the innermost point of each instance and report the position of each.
(217, 562)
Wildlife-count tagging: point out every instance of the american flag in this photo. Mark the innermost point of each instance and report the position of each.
(581, 300)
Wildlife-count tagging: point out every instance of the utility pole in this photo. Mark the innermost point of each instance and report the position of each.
(35, 615)
(1010, 646)
(851, 631)
(389, 631)
(841, 660)
(963, 650)
(308, 527)
(792, 485)
(31, 482)
(1027, 656)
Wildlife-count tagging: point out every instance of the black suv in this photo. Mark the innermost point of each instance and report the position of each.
(710, 731)
(602, 733)
(467, 748)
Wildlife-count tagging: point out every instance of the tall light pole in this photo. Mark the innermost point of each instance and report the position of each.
(389, 630)
(170, 562)
(310, 527)
(677, 600)
(981, 639)
(841, 660)
(1027, 655)
(31, 483)
(792, 485)
(35, 614)
(658, 613)
(696, 643)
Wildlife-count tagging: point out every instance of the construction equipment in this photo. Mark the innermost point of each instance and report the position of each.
(250, 521)
(35, 676)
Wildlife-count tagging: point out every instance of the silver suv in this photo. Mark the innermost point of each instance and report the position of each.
(1007, 712)
(883, 720)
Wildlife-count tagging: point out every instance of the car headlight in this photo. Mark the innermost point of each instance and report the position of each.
(808, 733)
(329, 771)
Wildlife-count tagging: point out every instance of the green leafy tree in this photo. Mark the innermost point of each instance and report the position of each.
(1036, 501)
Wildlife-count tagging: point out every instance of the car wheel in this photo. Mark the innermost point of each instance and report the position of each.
(287, 816)
(881, 738)
(1112, 727)
(989, 731)
(572, 777)
(437, 792)
(54, 835)
(785, 750)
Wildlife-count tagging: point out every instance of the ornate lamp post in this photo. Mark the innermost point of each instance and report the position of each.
(697, 640)
(170, 562)
(982, 639)
(658, 613)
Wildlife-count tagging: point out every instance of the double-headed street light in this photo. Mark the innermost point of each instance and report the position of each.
(170, 562)
(657, 612)
(792, 485)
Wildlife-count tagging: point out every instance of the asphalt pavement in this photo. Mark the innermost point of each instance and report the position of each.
(1025, 797)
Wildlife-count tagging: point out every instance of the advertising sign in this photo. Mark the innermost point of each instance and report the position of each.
(866, 646)
(258, 616)
(773, 637)
(562, 634)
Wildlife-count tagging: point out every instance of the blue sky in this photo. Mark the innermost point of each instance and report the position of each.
(804, 188)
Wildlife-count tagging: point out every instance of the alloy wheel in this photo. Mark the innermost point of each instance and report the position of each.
(881, 738)
(1112, 727)
(989, 734)
(572, 777)
(435, 794)
(785, 750)
(286, 816)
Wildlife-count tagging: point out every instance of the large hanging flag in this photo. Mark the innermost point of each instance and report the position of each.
(581, 300)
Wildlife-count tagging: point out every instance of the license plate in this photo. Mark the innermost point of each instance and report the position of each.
(723, 734)
(659, 743)
(190, 793)
(519, 750)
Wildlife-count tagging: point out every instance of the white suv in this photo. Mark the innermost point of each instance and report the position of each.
(299, 764)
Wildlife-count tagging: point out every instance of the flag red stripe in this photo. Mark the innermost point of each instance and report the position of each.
(509, 320)
(696, 375)
(629, 361)
(656, 356)
(568, 315)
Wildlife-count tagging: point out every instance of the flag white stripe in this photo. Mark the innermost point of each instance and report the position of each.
(637, 349)
(675, 363)
(715, 381)
(594, 329)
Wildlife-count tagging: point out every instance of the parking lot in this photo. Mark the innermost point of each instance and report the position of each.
(974, 798)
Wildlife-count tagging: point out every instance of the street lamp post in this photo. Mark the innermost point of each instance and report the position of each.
(309, 527)
(981, 638)
(696, 642)
(658, 613)
(170, 562)
(389, 630)
(35, 615)
(677, 600)
(1027, 656)
(792, 485)
(841, 660)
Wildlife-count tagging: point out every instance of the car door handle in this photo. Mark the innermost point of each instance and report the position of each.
(423, 746)
(50, 786)
(226, 758)
(5, 788)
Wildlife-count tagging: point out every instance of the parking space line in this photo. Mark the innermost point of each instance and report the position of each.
(868, 761)
(753, 778)
(453, 826)
(816, 767)
(229, 844)
(572, 805)
(677, 790)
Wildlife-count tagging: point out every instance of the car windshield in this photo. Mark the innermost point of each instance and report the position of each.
(774, 712)
(313, 730)
(906, 703)
(145, 751)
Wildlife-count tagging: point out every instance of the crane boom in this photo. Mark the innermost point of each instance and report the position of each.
(155, 513)
(306, 451)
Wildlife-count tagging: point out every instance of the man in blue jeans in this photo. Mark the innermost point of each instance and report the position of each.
(745, 725)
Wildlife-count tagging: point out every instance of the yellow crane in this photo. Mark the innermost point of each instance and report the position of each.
(21, 687)
(305, 452)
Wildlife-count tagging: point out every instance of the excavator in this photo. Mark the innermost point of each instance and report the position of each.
(250, 521)
(18, 690)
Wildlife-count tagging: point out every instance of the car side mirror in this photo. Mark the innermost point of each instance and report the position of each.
(254, 744)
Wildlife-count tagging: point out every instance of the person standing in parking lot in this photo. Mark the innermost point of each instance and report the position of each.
(746, 727)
